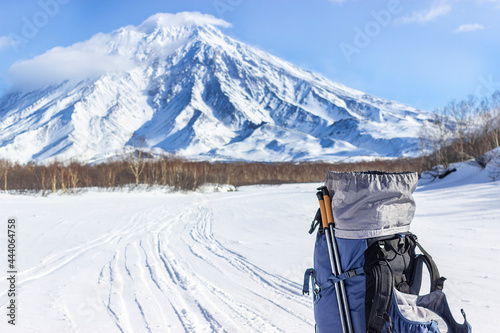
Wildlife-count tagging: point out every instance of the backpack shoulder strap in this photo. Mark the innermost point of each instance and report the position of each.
(437, 281)
(316, 222)
(384, 283)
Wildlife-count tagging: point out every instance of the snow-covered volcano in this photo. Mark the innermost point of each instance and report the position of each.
(176, 83)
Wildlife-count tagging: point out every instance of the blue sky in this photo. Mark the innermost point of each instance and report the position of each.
(421, 53)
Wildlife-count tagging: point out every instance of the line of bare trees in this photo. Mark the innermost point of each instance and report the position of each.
(462, 130)
(175, 172)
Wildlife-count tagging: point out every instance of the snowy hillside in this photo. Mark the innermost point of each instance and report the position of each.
(223, 261)
(175, 83)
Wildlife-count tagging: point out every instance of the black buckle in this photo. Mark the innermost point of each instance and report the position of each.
(316, 292)
(315, 222)
(351, 273)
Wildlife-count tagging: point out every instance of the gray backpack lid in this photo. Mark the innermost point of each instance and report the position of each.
(372, 203)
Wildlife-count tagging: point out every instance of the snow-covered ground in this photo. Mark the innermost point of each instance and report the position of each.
(153, 261)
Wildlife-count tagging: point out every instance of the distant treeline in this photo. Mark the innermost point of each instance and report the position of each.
(178, 173)
(463, 130)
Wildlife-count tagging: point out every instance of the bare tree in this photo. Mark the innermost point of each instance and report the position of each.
(53, 167)
(73, 170)
(62, 179)
(494, 120)
(5, 167)
(136, 160)
(164, 171)
(111, 173)
(437, 136)
(42, 178)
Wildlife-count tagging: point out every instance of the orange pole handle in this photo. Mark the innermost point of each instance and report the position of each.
(328, 204)
(328, 208)
(322, 209)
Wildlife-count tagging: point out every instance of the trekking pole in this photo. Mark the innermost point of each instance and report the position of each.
(324, 220)
(338, 266)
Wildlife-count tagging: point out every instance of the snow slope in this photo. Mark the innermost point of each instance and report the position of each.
(220, 262)
(176, 83)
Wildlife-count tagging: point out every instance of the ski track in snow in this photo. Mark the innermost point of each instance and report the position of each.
(164, 285)
(219, 262)
(56, 261)
(166, 271)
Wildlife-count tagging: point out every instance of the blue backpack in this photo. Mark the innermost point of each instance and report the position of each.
(367, 270)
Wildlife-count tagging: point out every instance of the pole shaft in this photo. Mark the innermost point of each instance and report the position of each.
(336, 257)
(331, 251)
(343, 291)
(336, 285)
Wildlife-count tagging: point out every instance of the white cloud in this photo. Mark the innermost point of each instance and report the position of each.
(103, 53)
(76, 62)
(469, 27)
(495, 3)
(437, 9)
(180, 19)
(6, 41)
(337, 1)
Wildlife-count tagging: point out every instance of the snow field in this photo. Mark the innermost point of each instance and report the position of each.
(152, 261)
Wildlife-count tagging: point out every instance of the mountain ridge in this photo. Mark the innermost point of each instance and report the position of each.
(186, 88)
